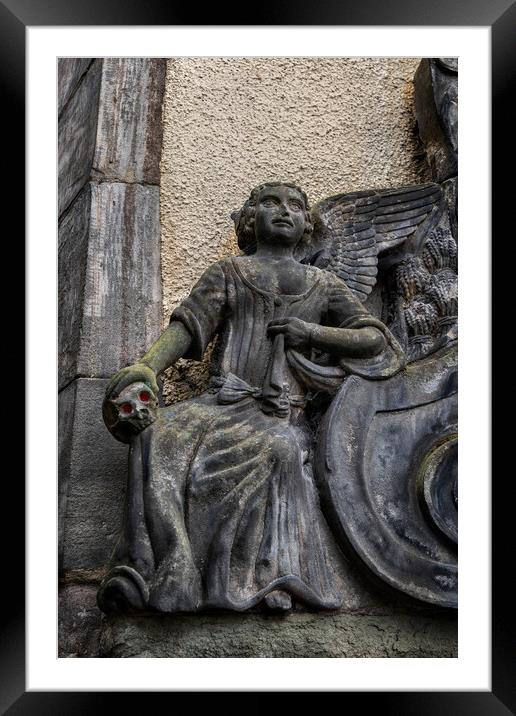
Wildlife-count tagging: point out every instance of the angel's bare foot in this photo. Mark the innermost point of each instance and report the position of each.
(278, 601)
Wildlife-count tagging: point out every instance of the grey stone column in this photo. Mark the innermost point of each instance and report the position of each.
(110, 303)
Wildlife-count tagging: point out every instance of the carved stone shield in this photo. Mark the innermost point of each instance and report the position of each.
(387, 469)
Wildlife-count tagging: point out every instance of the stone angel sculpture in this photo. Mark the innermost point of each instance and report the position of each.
(223, 508)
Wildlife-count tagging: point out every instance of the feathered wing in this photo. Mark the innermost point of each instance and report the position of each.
(351, 230)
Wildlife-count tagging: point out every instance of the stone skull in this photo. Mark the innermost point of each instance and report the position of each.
(130, 412)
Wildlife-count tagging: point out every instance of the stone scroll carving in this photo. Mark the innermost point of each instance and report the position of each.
(330, 422)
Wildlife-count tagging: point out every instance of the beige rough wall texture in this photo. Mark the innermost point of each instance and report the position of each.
(330, 125)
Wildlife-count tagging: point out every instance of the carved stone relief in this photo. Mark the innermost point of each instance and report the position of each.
(327, 426)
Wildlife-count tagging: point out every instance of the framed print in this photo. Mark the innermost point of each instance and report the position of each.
(149, 192)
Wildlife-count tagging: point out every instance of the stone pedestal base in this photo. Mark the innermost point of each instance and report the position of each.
(295, 635)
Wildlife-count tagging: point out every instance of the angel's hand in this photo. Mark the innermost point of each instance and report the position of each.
(138, 372)
(297, 332)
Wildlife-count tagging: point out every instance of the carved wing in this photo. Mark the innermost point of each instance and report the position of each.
(351, 230)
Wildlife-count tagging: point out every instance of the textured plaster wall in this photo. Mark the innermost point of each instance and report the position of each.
(331, 125)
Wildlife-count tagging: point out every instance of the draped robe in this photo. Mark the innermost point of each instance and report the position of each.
(222, 507)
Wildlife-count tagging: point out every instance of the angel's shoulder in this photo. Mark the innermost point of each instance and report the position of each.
(313, 273)
(219, 267)
(329, 279)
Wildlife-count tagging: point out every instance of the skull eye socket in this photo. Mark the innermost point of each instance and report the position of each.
(126, 408)
(144, 396)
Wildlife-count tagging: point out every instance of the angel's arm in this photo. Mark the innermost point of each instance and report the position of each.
(193, 324)
(347, 342)
(173, 344)
(341, 342)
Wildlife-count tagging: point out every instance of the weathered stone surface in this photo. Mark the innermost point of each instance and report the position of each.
(66, 410)
(421, 296)
(79, 621)
(435, 100)
(69, 72)
(129, 130)
(450, 190)
(76, 137)
(72, 258)
(109, 279)
(122, 300)
(293, 636)
(95, 485)
(373, 442)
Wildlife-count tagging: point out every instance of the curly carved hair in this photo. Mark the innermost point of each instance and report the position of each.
(244, 218)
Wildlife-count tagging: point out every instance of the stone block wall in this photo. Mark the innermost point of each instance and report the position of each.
(109, 304)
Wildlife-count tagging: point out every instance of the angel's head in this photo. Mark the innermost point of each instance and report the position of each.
(275, 211)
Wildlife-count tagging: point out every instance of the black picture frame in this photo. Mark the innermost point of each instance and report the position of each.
(500, 16)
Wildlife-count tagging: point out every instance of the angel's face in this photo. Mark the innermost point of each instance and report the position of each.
(279, 215)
